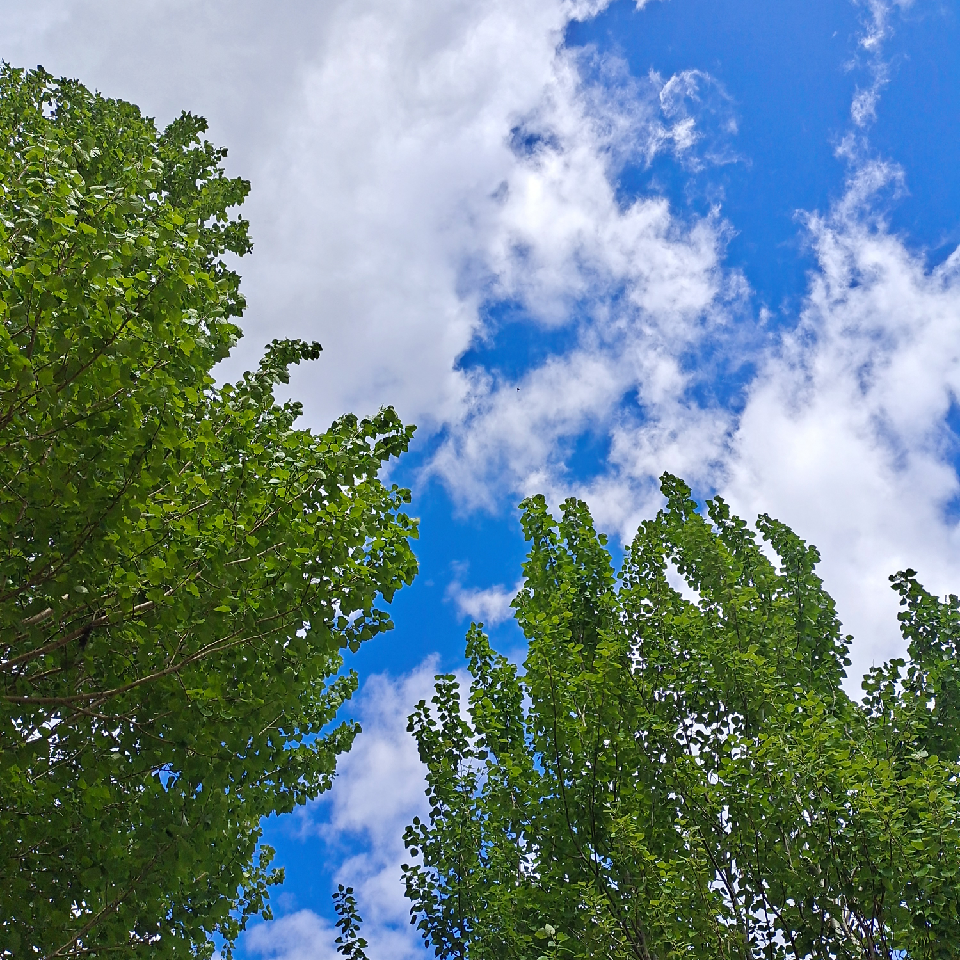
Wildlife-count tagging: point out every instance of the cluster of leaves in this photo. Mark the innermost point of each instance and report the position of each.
(680, 774)
(349, 943)
(180, 567)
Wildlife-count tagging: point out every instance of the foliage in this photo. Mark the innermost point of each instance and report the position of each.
(349, 943)
(180, 567)
(680, 773)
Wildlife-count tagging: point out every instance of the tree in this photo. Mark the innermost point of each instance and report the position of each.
(180, 567)
(680, 774)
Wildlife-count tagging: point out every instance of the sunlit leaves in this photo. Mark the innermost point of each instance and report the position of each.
(681, 774)
(180, 566)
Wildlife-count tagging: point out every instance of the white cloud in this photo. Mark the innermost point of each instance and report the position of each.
(876, 24)
(487, 605)
(561, 238)
(375, 134)
(374, 780)
(640, 288)
(876, 30)
(863, 109)
(298, 936)
(400, 144)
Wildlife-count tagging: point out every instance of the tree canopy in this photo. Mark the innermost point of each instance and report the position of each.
(180, 566)
(679, 772)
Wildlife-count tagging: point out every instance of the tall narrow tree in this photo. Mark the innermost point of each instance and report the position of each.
(680, 774)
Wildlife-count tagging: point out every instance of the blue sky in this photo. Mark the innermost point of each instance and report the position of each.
(578, 243)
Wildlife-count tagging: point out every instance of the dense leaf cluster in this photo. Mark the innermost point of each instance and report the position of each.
(180, 567)
(680, 773)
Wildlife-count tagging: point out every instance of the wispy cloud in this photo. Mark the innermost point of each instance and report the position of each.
(487, 605)
(643, 290)
(877, 28)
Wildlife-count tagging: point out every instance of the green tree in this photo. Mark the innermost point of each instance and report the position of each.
(680, 774)
(180, 567)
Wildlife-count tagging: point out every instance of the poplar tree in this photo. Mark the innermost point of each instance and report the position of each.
(681, 773)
